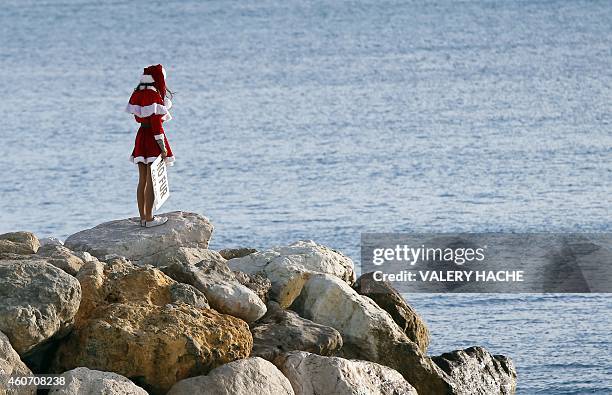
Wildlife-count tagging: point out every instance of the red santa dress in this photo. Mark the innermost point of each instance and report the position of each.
(150, 108)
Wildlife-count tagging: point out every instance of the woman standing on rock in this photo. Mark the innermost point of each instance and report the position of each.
(150, 108)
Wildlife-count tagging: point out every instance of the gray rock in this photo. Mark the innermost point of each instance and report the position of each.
(249, 376)
(312, 374)
(288, 267)
(11, 365)
(62, 257)
(281, 331)
(368, 332)
(386, 297)
(231, 253)
(184, 256)
(37, 302)
(214, 279)
(19, 243)
(477, 372)
(188, 294)
(256, 283)
(126, 238)
(83, 381)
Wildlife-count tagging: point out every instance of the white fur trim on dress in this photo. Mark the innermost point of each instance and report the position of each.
(146, 79)
(159, 136)
(167, 103)
(141, 159)
(146, 111)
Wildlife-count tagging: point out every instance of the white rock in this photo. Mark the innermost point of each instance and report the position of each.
(85, 256)
(11, 365)
(37, 301)
(368, 331)
(312, 374)
(127, 238)
(288, 267)
(83, 381)
(50, 241)
(212, 277)
(250, 376)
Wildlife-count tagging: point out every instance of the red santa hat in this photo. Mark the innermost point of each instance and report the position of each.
(155, 75)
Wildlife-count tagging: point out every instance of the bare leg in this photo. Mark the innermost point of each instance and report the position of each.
(149, 196)
(140, 191)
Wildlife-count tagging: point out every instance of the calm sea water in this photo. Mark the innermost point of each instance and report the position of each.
(324, 119)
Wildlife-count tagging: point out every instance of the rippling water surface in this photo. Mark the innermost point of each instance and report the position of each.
(324, 119)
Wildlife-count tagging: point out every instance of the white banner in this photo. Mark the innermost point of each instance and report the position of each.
(159, 176)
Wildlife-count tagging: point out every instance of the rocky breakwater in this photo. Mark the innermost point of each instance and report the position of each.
(123, 309)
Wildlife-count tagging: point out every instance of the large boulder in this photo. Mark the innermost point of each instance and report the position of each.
(127, 238)
(281, 331)
(312, 374)
(254, 376)
(212, 277)
(38, 302)
(289, 267)
(155, 346)
(83, 381)
(11, 365)
(368, 332)
(19, 243)
(62, 257)
(478, 372)
(386, 297)
(120, 281)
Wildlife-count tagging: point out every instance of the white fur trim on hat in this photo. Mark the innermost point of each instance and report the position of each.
(146, 79)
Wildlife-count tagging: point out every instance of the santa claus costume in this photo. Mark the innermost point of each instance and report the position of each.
(150, 108)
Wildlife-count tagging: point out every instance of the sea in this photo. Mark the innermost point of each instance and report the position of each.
(325, 119)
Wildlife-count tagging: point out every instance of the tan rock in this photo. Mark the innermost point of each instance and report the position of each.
(120, 281)
(19, 243)
(155, 346)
